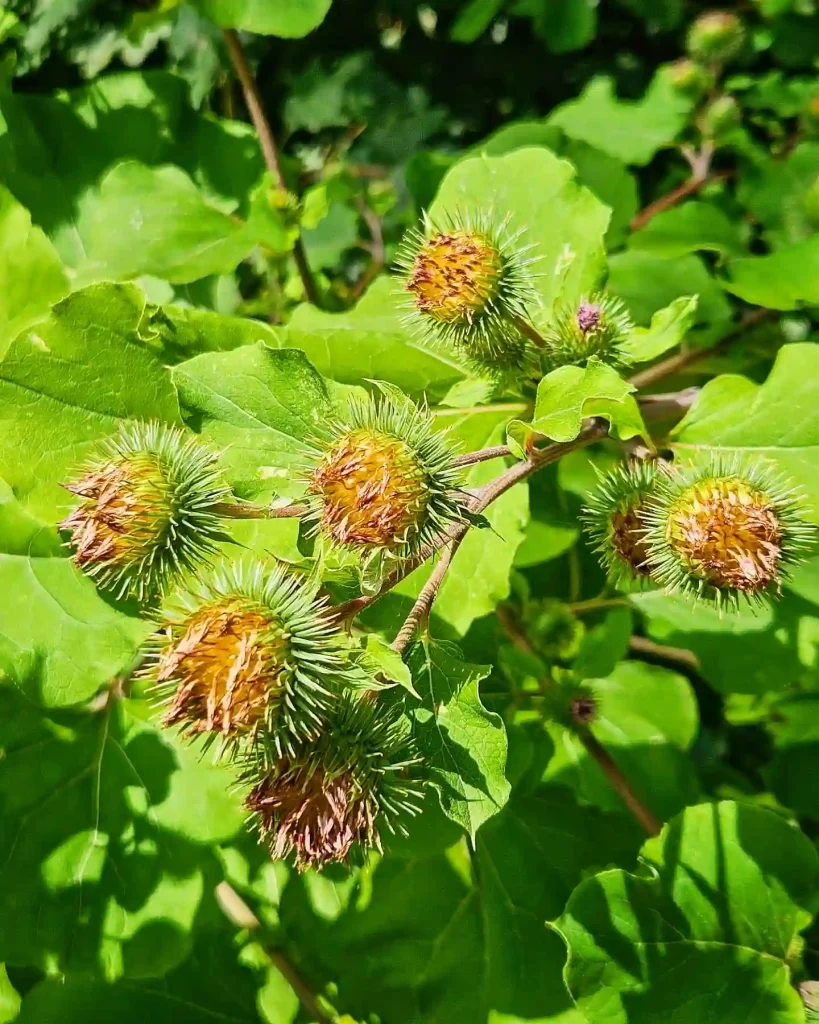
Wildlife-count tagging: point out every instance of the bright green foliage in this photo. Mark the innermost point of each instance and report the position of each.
(398, 763)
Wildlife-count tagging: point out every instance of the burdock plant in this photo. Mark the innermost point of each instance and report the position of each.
(323, 800)
(724, 530)
(245, 653)
(382, 480)
(468, 283)
(148, 509)
(596, 326)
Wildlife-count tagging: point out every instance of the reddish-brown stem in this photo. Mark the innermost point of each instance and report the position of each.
(419, 614)
(619, 783)
(484, 455)
(267, 141)
(527, 330)
(685, 360)
(376, 248)
(676, 196)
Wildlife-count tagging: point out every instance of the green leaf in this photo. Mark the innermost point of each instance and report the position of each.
(564, 25)
(258, 405)
(734, 886)
(473, 20)
(570, 394)
(289, 19)
(562, 220)
(778, 193)
(100, 883)
(777, 420)
(51, 417)
(370, 343)
(9, 998)
(382, 661)
(668, 328)
(181, 332)
(464, 746)
(786, 279)
(794, 723)
(31, 275)
(155, 221)
(647, 720)
(631, 131)
(693, 225)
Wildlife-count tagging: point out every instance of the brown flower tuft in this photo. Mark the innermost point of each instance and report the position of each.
(628, 537)
(455, 275)
(728, 534)
(226, 661)
(372, 489)
(124, 513)
(303, 810)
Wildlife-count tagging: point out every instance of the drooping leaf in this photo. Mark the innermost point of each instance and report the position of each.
(786, 279)
(668, 328)
(290, 19)
(734, 886)
(570, 394)
(464, 746)
(9, 998)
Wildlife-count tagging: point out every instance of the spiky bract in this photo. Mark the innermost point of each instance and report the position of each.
(148, 509)
(470, 285)
(716, 37)
(246, 654)
(384, 482)
(614, 519)
(327, 798)
(724, 530)
(596, 326)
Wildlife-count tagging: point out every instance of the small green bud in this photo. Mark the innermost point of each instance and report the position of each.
(326, 798)
(716, 37)
(468, 284)
(382, 481)
(614, 520)
(570, 702)
(724, 530)
(721, 116)
(596, 326)
(149, 509)
(689, 78)
(244, 653)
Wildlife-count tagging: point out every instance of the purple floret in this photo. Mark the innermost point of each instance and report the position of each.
(588, 316)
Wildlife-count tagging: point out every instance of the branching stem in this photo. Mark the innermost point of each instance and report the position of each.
(242, 510)
(619, 783)
(267, 141)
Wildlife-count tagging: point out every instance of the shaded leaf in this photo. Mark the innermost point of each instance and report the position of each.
(692, 226)
(786, 279)
(287, 18)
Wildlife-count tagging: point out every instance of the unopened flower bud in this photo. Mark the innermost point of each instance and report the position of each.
(614, 519)
(326, 799)
(597, 326)
(722, 115)
(148, 509)
(468, 283)
(689, 78)
(724, 531)
(716, 37)
(246, 652)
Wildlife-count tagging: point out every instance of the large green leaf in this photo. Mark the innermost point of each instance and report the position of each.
(70, 380)
(647, 720)
(786, 279)
(631, 131)
(692, 226)
(464, 746)
(9, 998)
(260, 406)
(710, 935)
(99, 873)
(563, 221)
(31, 275)
(370, 343)
(777, 420)
(570, 394)
(288, 18)
(668, 328)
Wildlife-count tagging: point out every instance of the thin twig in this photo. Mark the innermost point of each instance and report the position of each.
(267, 141)
(527, 330)
(419, 613)
(239, 913)
(676, 196)
(619, 783)
(684, 360)
(662, 652)
(484, 455)
(596, 604)
(242, 510)
(377, 249)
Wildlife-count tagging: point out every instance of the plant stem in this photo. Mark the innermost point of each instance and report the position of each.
(239, 913)
(619, 783)
(662, 652)
(595, 604)
(484, 455)
(684, 360)
(676, 196)
(419, 613)
(240, 510)
(270, 151)
(527, 330)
